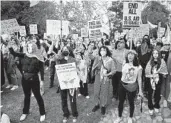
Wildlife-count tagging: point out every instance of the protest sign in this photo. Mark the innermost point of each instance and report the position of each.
(67, 76)
(83, 71)
(75, 36)
(132, 14)
(33, 29)
(139, 32)
(84, 32)
(22, 31)
(54, 27)
(95, 29)
(9, 26)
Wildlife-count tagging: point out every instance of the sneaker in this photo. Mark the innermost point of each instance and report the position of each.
(151, 112)
(79, 95)
(9, 86)
(87, 97)
(74, 120)
(103, 110)
(14, 87)
(65, 119)
(42, 118)
(130, 120)
(118, 120)
(156, 110)
(23, 117)
(95, 108)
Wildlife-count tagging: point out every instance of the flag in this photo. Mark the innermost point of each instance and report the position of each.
(168, 34)
(151, 25)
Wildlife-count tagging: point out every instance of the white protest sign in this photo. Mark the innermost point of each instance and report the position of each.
(83, 71)
(9, 26)
(75, 36)
(54, 27)
(33, 29)
(67, 76)
(22, 31)
(132, 14)
(95, 29)
(84, 32)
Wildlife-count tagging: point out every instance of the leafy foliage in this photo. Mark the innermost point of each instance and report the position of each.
(155, 12)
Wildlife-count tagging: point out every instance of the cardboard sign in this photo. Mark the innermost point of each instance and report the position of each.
(84, 32)
(9, 26)
(139, 32)
(22, 31)
(132, 14)
(33, 29)
(67, 76)
(54, 27)
(95, 29)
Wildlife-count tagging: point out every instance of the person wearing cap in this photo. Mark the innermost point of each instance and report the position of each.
(131, 81)
(155, 70)
(119, 56)
(32, 65)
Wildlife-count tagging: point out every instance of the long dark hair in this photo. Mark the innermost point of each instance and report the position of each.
(135, 61)
(108, 53)
(158, 62)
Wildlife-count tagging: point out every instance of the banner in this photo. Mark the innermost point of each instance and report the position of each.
(67, 76)
(33, 29)
(22, 31)
(9, 26)
(132, 14)
(138, 32)
(95, 29)
(54, 27)
(84, 32)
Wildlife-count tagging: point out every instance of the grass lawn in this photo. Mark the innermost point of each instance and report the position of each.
(12, 102)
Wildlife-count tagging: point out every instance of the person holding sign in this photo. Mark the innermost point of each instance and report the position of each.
(64, 57)
(32, 65)
(104, 68)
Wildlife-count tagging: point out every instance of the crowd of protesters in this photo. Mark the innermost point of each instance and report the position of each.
(132, 69)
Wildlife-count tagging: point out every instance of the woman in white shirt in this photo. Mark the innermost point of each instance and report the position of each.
(131, 73)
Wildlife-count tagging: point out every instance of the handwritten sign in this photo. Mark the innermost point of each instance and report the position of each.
(33, 28)
(95, 29)
(9, 26)
(22, 31)
(67, 76)
(84, 32)
(54, 27)
(132, 14)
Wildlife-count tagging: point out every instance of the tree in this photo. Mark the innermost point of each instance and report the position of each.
(155, 12)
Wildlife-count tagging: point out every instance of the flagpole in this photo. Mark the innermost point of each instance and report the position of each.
(61, 20)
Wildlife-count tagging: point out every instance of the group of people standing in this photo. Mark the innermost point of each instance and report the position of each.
(130, 70)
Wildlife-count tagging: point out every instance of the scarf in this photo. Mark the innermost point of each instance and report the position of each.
(37, 53)
(155, 72)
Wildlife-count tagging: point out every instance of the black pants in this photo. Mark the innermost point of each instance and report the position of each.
(64, 94)
(157, 96)
(115, 83)
(83, 88)
(122, 96)
(145, 82)
(52, 72)
(34, 85)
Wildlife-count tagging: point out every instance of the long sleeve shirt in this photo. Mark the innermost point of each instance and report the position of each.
(29, 64)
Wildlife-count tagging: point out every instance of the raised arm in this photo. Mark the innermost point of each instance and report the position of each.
(21, 55)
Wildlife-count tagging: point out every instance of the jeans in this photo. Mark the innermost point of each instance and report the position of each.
(115, 83)
(52, 72)
(83, 88)
(122, 96)
(73, 103)
(157, 95)
(34, 85)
